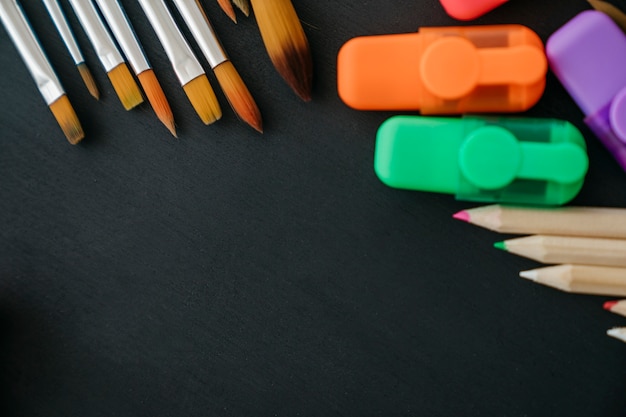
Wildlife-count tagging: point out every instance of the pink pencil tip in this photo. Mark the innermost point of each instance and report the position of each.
(462, 215)
(609, 305)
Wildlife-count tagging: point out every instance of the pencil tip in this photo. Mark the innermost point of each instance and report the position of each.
(609, 305)
(500, 245)
(616, 332)
(531, 275)
(462, 215)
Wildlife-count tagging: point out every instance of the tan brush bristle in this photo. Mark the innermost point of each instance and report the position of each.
(125, 86)
(85, 74)
(66, 118)
(203, 100)
(243, 5)
(238, 95)
(286, 43)
(228, 9)
(157, 99)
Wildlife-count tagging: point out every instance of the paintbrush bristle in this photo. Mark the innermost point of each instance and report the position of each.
(85, 74)
(66, 118)
(227, 7)
(243, 5)
(157, 99)
(125, 86)
(286, 43)
(203, 100)
(238, 95)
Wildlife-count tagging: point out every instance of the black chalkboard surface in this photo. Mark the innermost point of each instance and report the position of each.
(229, 273)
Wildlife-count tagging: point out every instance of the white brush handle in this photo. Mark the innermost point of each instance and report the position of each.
(32, 54)
(124, 33)
(55, 12)
(97, 33)
(200, 27)
(181, 56)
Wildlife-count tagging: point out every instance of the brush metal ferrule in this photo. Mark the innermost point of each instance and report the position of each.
(124, 34)
(32, 53)
(185, 63)
(56, 13)
(98, 35)
(199, 25)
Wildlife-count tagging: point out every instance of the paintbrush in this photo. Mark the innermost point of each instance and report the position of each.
(227, 7)
(233, 86)
(110, 57)
(286, 43)
(127, 39)
(25, 40)
(190, 73)
(56, 13)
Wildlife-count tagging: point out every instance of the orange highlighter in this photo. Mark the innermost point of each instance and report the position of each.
(446, 70)
(468, 10)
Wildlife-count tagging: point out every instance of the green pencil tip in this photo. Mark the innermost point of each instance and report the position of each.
(500, 245)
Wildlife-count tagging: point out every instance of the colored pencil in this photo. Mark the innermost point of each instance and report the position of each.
(114, 64)
(617, 307)
(286, 43)
(565, 221)
(190, 73)
(568, 250)
(127, 39)
(229, 79)
(58, 17)
(581, 279)
(618, 333)
(16, 24)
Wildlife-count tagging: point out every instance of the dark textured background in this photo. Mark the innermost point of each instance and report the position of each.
(232, 274)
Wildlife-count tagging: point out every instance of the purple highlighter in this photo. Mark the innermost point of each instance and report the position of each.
(588, 55)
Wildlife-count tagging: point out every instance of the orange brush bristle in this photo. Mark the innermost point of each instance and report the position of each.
(125, 86)
(238, 95)
(85, 74)
(66, 118)
(203, 100)
(157, 99)
(227, 7)
(286, 43)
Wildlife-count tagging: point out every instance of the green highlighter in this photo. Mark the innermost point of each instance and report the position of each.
(503, 160)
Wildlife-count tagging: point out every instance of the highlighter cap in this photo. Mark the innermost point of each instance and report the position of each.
(468, 10)
(588, 55)
(448, 70)
(499, 160)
